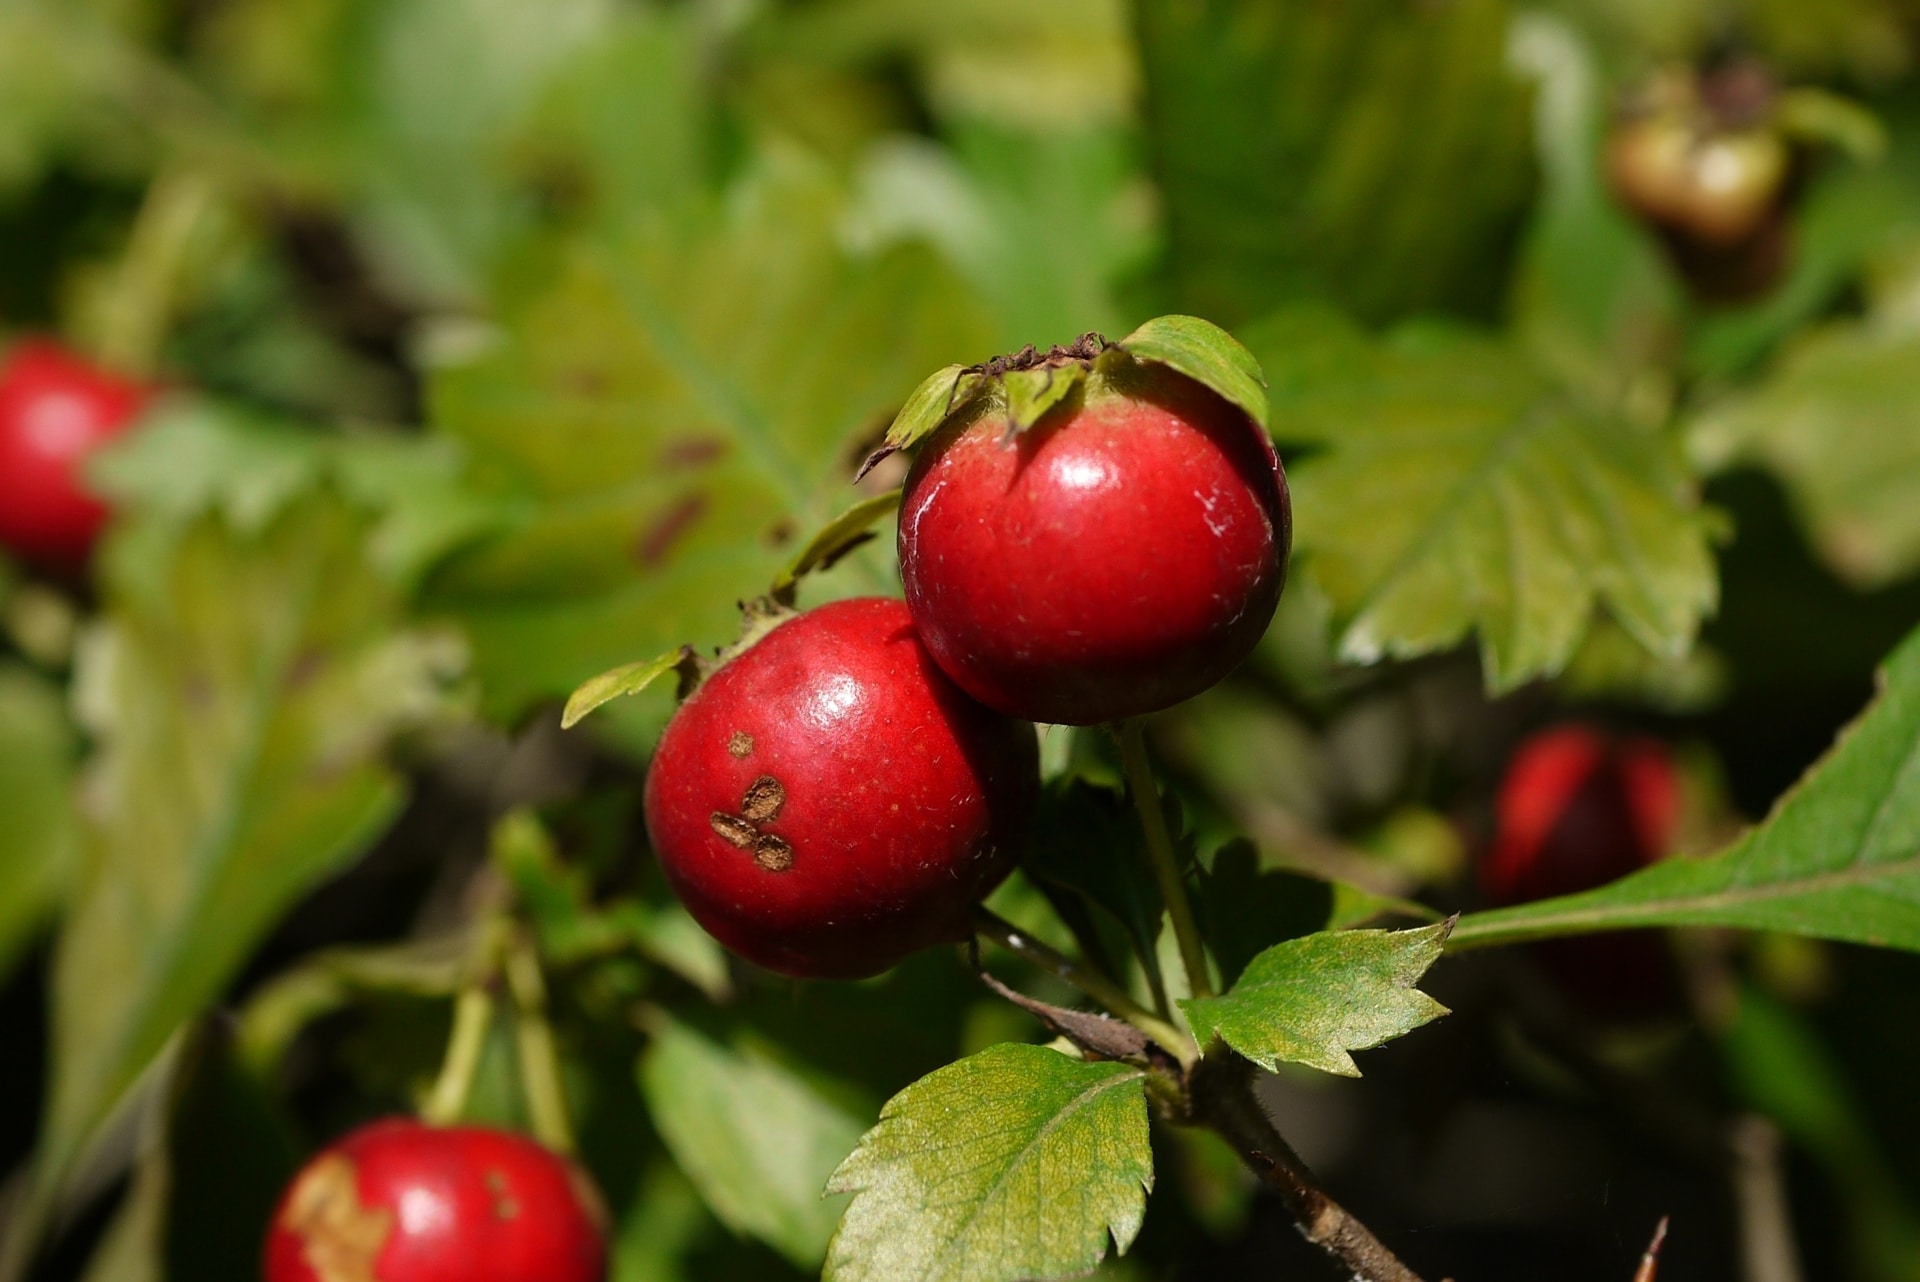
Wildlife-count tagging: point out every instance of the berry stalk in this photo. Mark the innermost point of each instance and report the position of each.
(1166, 864)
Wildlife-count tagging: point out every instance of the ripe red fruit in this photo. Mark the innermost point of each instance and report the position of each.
(1119, 556)
(399, 1201)
(55, 410)
(828, 802)
(1579, 809)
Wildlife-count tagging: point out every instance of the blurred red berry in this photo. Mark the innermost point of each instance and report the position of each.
(55, 410)
(400, 1201)
(1578, 809)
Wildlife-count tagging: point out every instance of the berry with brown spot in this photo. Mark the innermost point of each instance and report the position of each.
(400, 1201)
(828, 802)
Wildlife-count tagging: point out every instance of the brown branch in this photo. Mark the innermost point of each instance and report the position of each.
(1767, 1249)
(1650, 1260)
(1223, 1099)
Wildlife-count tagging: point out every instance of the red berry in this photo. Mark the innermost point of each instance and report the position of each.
(1579, 809)
(828, 802)
(1118, 557)
(55, 410)
(398, 1201)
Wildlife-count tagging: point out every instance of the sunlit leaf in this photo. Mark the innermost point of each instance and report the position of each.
(241, 693)
(1205, 353)
(1315, 999)
(1462, 490)
(666, 418)
(1839, 857)
(1018, 1162)
(1836, 421)
(755, 1138)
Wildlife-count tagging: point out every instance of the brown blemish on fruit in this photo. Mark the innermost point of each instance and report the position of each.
(734, 830)
(659, 538)
(504, 1207)
(764, 798)
(741, 744)
(340, 1239)
(772, 853)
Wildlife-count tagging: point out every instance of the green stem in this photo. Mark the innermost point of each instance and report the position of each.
(1160, 852)
(539, 1059)
(472, 1017)
(144, 294)
(1084, 979)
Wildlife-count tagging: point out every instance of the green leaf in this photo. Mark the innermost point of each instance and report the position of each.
(242, 692)
(1206, 354)
(663, 417)
(1030, 393)
(755, 1138)
(1279, 137)
(1047, 224)
(1312, 1000)
(1463, 490)
(1086, 839)
(940, 393)
(1835, 421)
(836, 538)
(1839, 857)
(1014, 1163)
(1245, 908)
(628, 678)
(39, 838)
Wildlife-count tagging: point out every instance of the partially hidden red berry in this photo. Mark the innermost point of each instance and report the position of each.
(55, 410)
(399, 1201)
(829, 802)
(1579, 809)
(1121, 555)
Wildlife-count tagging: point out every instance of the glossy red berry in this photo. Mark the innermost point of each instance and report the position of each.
(55, 410)
(1579, 809)
(828, 802)
(399, 1201)
(1121, 555)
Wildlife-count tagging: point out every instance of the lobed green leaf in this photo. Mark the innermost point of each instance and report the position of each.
(1315, 999)
(1015, 1163)
(1462, 490)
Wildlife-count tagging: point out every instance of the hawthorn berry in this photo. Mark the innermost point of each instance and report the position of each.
(55, 410)
(1121, 554)
(1701, 163)
(400, 1201)
(1579, 809)
(829, 802)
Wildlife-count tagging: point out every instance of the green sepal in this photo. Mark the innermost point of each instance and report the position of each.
(628, 678)
(1206, 354)
(931, 404)
(1030, 393)
(1814, 116)
(834, 540)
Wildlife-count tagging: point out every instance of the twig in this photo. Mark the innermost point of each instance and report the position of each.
(1650, 1260)
(1160, 852)
(539, 1060)
(472, 1017)
(1084, 979)
(1223, 1099)
(1767, 1249)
